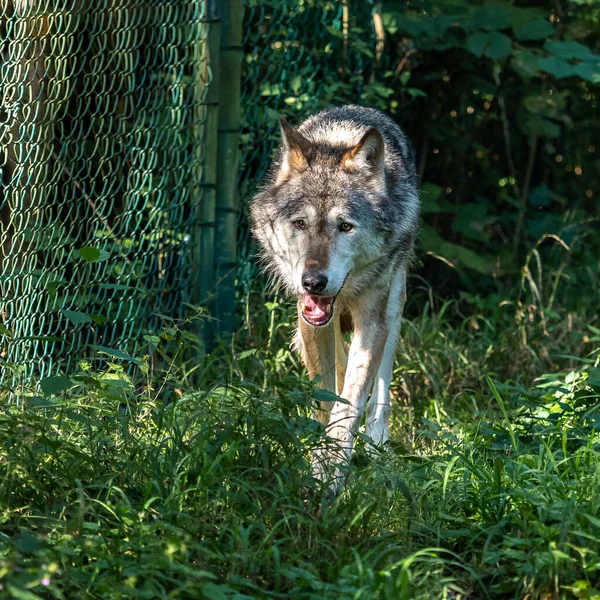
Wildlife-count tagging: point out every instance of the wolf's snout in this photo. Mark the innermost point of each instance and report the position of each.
(314, 282)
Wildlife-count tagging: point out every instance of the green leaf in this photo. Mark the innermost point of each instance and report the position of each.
(416, 92)
(476, 43)
(429, 240)
(556, 66)
(52, 286)
(98, 319)
(471, 221)
(569, 50)
(20, 594)
(116, 354)
(536, 125)
(589, 71)
(525, 63)
(494, 45)
(89, 254)
(500, 46)
(56, 384)
(472, 260)
(536, 30)
(432, 243)
(419, 26)
(76, 317)
(593, 377)
(491, 18)
(431, 201)
(539, 196)
(296, 84)
(27, 542)
(326, 396)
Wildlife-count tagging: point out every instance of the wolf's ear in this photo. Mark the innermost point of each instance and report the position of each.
(367, 156)
(295, 149)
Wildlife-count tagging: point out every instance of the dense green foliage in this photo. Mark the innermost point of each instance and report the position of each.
(500, 100)
(155, 474)
(112, 489)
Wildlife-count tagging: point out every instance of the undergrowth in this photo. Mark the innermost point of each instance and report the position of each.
(120, 483)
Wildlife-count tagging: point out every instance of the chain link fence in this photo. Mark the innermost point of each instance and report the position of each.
(122, 185)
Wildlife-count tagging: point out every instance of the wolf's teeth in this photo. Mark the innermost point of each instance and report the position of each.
(328, 309)
(304, 308)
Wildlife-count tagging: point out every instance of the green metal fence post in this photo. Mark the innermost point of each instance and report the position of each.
(230, 64)
(205, 218)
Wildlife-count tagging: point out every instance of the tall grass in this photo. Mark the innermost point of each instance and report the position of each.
(118, 483)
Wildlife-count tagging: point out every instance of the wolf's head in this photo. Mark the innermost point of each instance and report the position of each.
(323, 221)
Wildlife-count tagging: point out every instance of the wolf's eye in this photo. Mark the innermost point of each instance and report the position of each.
(299, 224)
(346, 227)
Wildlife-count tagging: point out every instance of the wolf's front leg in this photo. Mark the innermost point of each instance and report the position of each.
(365, 355)
(378, 407)
(317, 345)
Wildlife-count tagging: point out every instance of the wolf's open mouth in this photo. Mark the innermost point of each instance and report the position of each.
(317, 310)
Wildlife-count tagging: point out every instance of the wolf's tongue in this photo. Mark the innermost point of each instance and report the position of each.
(316, 305)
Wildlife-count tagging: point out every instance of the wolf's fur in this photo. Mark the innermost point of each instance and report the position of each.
(343, 167)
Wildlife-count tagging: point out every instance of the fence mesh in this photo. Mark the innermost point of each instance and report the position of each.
(102, 152)
(109, 155)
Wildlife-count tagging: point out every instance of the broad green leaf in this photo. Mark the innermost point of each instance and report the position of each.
(499, 47)
(539, 196)
(91, 255)
(416, 92)
(525, 63)
(477, 42)
(56, 384)
(457, 255)
(536, 125)
(520, 16)
(76, 317)
(116, 354)
(545, 104)
(431, 201)
(593, 377)
(326, 396)
(296, 84)
(471, 221)
(430, 240)
(469, 258)
(538, 29)
(491, 17)
(420, 27)
(556, 66)
(570, 50)
(21, 594)
(52, 286)
(590, 71)
(494, 45)
(27, 542)
(98, 319)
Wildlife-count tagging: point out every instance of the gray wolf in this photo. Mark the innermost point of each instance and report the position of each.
(336, 220)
